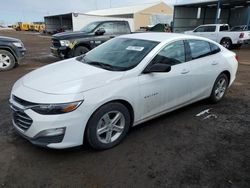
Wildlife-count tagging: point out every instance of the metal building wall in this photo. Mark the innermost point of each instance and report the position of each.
(185, 18)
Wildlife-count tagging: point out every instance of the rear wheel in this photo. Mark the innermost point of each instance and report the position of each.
(80, 50)
(108, 126)
(7, 60)
(219, 89)
(227, 43)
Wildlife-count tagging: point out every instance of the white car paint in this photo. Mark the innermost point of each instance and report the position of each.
(218, 35)
(150, 95)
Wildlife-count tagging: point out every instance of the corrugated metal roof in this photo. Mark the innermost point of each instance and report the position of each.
(123, 10)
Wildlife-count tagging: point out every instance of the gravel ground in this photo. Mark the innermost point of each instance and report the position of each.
(179, 149)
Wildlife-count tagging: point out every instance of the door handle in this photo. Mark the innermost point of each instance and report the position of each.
(112, 37)
(184, 71)
(215, 63)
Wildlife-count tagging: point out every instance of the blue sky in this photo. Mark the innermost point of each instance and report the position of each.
(34, 10)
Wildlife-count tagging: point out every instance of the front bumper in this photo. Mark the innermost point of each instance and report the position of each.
(61, 52)
(72, 123)
(20, 53)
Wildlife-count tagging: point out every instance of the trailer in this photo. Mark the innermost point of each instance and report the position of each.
(75, 21)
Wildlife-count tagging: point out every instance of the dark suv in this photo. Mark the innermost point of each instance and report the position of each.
(11, 51)
(71, 44)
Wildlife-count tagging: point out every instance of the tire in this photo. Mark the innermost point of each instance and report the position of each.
(80, 50)
(227, 43)
(219, 88)
(109, 134)
(7, 60)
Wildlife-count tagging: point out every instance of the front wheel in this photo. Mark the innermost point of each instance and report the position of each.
(7, 60)
(219, 88)
(108, 126)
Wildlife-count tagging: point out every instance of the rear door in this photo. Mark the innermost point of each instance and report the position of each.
(204, 66)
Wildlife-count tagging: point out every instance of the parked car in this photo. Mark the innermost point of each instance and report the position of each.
(11, 52)
(161, 28)
(122, 83)
(221, 33)
(71, 44)
(241, 28)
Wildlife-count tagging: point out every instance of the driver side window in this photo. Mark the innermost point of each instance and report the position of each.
(108, 27)
(172, 54)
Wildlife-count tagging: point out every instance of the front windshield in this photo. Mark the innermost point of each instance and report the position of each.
(119, 54)
(90, 27)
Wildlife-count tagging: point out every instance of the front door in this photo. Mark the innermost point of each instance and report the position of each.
(163, 91)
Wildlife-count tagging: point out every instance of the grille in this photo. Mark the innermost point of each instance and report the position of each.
(22, 120)
(55, 43)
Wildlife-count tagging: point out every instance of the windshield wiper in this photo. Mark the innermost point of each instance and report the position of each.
(102, 65)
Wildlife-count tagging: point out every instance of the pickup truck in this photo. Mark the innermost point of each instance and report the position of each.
(221, 33)
(71, 44)
(11, 52)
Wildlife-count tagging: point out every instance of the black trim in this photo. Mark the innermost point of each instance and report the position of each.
(42, 141)
(187, 51)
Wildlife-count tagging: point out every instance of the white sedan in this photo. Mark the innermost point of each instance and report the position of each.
(122, 83)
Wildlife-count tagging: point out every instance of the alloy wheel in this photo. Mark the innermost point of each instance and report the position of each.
(220, 88)
(110, 127)
(5, 61)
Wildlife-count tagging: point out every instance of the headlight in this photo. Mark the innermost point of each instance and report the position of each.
(64, 42)
(52, 109)
(18, 44)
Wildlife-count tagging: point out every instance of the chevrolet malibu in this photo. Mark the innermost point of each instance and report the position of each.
(95, 98)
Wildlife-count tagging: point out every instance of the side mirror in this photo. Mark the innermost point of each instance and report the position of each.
(159, 67)
(100, 31)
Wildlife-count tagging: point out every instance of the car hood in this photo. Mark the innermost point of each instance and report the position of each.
(69, 77)
(70, 35)
(9, 39)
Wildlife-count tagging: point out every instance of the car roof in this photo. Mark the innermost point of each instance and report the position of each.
(161, 36)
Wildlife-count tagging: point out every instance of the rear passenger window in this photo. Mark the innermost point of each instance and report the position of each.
(224, 28)
(214, 48)
(172, 54)
(199, 48)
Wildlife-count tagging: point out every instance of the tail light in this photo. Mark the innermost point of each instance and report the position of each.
(241, 35)
(237, 58)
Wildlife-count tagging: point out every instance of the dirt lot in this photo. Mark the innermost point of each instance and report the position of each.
(175, 150)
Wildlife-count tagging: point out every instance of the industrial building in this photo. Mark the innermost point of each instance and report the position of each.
(188, 16)
(138, 16)
(75, 21)
(142, 15)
